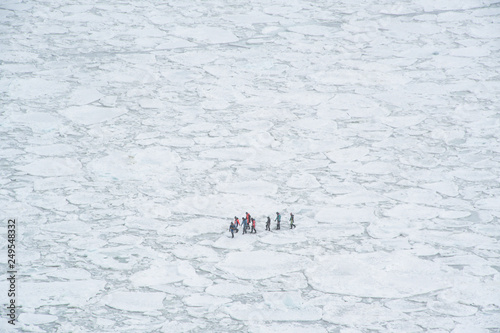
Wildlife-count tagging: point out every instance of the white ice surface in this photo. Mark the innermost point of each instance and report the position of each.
(31, 88)
(394, 275)
(36, 319)
(279, 306)
(163, 273)
(84, 96)
(230, 289)
(132, 133)
(134, 301)
(74, 293)
(280, 239)
(217, 205)
(361, 316)
(286, 328)
(88, 114)
(257, 265)
(196, 227)
(205, 300)
(195, 252)
(71, 274)
(345, 215)
(133, 165)
(53, 166)
(249, 187)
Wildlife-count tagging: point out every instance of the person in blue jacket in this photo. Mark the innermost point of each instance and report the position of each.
(278, 220)
(244, 225)
(232, 228)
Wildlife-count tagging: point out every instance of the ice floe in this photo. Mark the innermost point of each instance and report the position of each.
(75, 293)
(163, 273)
(361, 315)
(303, 181)
(261, 313)
(84, 95)
(394, 275)
(452, 309)
(134, 301)
(89, 114)
(36, 319)
(256, 187)
(205, 300)
(336, 215)
(53, 166)
(257, 265)
(31, 88)
(230, 289)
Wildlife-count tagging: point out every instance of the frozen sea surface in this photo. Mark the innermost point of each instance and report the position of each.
(132, 133)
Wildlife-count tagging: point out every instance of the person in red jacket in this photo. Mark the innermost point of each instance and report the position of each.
(248, 220)
(236, 222)
(253, 227)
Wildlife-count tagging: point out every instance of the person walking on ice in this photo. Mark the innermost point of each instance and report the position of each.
(232, 228)
(278, 220)
(268, 224)
(292, 221)
(244, 225)
(248, 217)
(253, 227)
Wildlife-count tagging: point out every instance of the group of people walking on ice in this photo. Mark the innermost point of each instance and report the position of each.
(248, 221)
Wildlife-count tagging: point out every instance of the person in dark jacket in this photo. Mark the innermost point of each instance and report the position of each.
(292, 221)
(268, 224)
(232, 228)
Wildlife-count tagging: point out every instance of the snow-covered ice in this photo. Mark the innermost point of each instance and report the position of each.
(163, 273)
(257, 265)
(133, 132)
(75, 293)
(361, 315)
(394, 275)
(134, 301)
